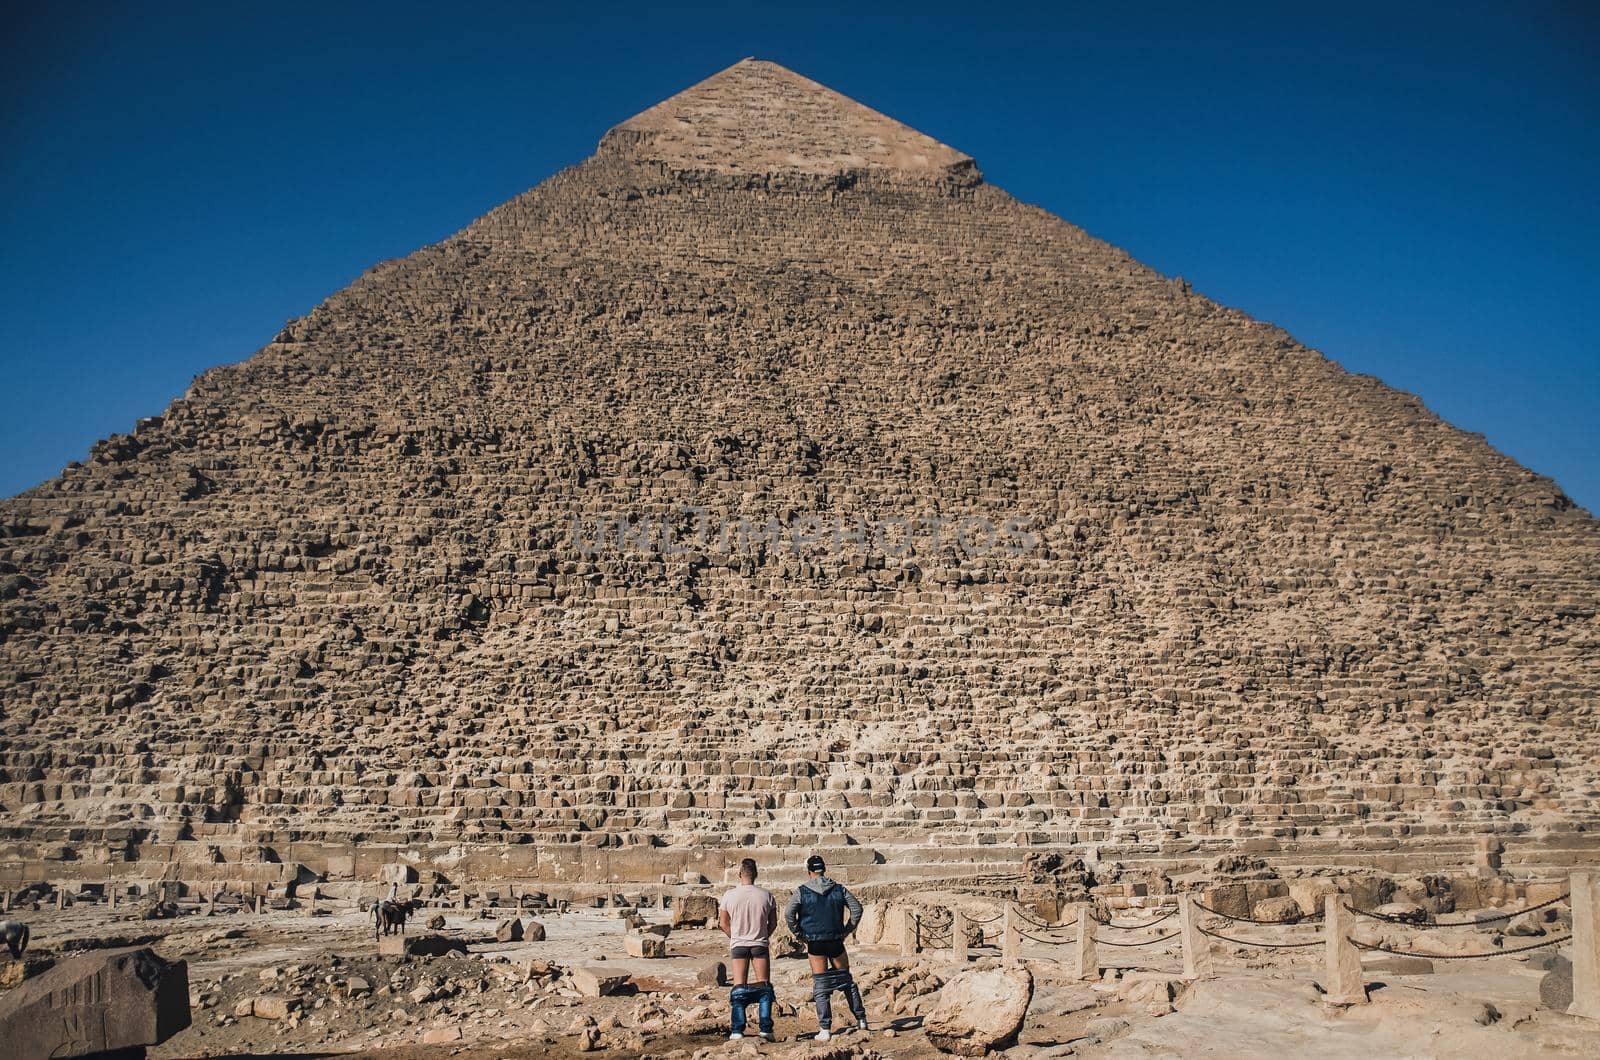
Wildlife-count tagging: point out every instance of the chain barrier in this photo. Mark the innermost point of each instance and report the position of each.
(1146, 942)
(1252, 920)
(1388, 919)
(980, 923)
(1462, 956)
(1261, 945)
(1047, 942)
(1028, 919)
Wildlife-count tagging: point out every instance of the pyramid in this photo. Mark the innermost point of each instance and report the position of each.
(769, 481)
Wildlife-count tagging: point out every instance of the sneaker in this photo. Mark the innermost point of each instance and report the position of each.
(823, 1035)
(735, 1036)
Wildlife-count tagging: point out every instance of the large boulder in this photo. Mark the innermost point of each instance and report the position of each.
(1277, 910)
(1311, 893)
(593, 982)
(980, 1010)
(94, 1003)
(695, 910)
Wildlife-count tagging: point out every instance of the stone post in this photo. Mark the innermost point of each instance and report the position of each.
(1343, 985)
(1011, 942)
(61, 896)
(1585, 889)
(464, 897)
(1086, 962)
(1196, 946)
(111, 893)
(958, 936)
(258, 905)
(909, 930)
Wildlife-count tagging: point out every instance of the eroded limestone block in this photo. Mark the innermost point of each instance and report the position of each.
(980, 1010)
(97, 1002)
(695, 910)
(596, 982)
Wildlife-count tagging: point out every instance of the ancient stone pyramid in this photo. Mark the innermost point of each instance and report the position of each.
(331, 606)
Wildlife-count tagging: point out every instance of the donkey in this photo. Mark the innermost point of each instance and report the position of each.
(389, 917)
(15, 932)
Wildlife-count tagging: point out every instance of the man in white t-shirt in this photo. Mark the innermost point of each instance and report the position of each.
(747, 915)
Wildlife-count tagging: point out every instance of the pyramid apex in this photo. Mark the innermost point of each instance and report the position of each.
(759, 117)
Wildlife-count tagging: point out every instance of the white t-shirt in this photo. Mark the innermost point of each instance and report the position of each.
(752, 914)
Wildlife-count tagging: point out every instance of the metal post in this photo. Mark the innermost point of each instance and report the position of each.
(1343, 985)
(1196, 946)
(1087, 963)
(958, 936)
(1585, 898)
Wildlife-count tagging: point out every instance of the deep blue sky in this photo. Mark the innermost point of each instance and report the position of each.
(1413, 192)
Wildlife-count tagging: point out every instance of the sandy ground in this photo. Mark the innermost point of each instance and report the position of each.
(498, 1000)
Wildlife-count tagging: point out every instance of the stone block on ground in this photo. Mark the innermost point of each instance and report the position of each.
(94, 1003)
(695, 910)
(509, 930)
(639, 945)
(419, 946)
(1277, 910)
(980, 1010)
(1308, 894)
(270, 1007)
(596, 982)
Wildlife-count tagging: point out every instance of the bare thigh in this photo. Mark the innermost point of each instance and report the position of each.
(820, 964)
(741, 970)
(763, 968)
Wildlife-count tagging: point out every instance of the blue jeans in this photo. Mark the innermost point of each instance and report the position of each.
(822, 988)
(754, 993)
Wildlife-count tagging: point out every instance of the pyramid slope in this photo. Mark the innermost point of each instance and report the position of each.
(329, 606)
(758, 117)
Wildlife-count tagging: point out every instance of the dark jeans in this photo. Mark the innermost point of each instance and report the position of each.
(751, 994)
(822, 988)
